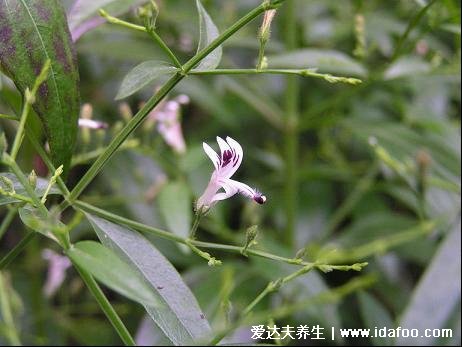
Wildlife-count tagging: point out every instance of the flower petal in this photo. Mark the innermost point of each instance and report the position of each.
(238, 187)
(212, 155)
(91, 124)
(238, 154)
(230, 190)
(223, 145)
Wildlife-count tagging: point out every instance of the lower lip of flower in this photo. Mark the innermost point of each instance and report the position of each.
(260, 199)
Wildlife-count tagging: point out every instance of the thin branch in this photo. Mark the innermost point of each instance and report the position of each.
(85, 207)
(7, 259)
(299, 72)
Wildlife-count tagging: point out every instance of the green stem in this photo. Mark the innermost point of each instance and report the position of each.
(297, 72)
(24, 182)
(85, 207)
(152, 33)
(11, 332)
(332, 295)
(46, 159)
(106, 306)
(7, 259)
(261, 55)
(197, 220)
(6, 116)
(275, 285)
(268, 289)
(165, 48)
(115, 20)
(291, 130)
(16, 196)
(20, 132)
(29, 99)
(7, 220)
(154, 100)
(212, 261)
(412, 24)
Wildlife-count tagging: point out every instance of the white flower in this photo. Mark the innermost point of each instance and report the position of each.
(85, 121)
(226, 164)
(92, 124)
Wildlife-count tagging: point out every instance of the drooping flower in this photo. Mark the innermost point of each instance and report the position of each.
(167, 117)
(57, 266)
(226, 164)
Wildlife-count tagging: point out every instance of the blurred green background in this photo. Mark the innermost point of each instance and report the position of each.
(375, 163)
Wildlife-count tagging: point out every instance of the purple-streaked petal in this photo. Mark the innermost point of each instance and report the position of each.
(223, 146)
(238, 154)
(212, 155)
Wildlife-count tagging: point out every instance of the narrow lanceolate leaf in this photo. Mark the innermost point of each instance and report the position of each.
(108, 268)
(208, 32)
(32, 31)
(141, 75)
(178, 313)
(437, 293)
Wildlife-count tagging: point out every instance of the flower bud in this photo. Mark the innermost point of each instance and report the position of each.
(33, 179)
(148, 13)
(250, 237)
(6, 185)
(265, 29)
(301, 253)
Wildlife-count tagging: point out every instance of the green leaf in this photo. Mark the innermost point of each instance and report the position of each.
(107, 267)
(38, 222)
(207, 33)
(375, 315)
(141, 75)
(403, 144)
(326, 61)
(406, 66)
(19, 189)
(175, 206)
(177, 313)
(437, 293)
(30, 33)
